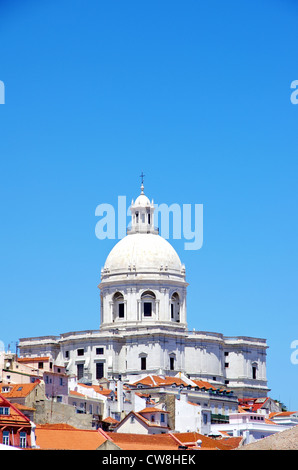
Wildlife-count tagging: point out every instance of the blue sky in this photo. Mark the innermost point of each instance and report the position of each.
(195, 94)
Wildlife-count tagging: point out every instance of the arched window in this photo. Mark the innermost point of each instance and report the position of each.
(148, 303)
(175, 307)
(118, 306)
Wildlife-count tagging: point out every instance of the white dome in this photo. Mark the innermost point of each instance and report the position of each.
(142, 200)
(143, 252)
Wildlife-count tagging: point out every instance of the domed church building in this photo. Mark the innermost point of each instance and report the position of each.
(143, 328)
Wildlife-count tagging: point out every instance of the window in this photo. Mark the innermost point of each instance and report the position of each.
(67, 354)
(132, 419)
(226, 353)
(40, 365)
(5, 438)
(148, 301)
(172, 363)
(205, 418)
(152, 418)
(99, 351)
(118, 306)
(175, 307)
(99, 370)
(80, 371)
(4, 410)
(143, 363)
(46, 379)
(121, 310)
(147, 309)
(162, 418)
(226, 364)
(61, 381)
(254, 372)
(80, 352)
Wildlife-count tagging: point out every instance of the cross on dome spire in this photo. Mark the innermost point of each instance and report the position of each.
(142, 182)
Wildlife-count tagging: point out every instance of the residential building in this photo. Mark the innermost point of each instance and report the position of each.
(15, 428)
(285, 418)
(150, 420)
(251, 426)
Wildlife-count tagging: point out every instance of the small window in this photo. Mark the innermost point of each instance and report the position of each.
(99, 351)
(99, 370)
(40, 365)
(5, 438)
(147, 309)
(152, 418)
(162, 418)
(226, 364)
(254, 372)
(121, 310)
(80, 352)
(172, 363)
(80, 371)
(67, 354)
(132, 419)
(143, 363)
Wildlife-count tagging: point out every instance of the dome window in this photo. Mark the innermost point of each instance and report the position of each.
(119, 306)
(148, 303)
(175, 308)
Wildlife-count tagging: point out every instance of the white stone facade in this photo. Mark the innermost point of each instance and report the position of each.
(143, 325)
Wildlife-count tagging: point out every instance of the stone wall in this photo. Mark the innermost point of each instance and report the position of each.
(53, 413)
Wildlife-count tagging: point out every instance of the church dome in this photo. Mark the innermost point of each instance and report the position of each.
(143, 252)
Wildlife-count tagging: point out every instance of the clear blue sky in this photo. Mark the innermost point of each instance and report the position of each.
(197, 95)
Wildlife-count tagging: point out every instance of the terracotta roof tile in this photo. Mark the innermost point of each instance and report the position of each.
(57, 438)
(151, 409)
(144, 441)
(33, 359)
(17, 390)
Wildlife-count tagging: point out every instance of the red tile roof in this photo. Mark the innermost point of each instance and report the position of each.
(110, 420)
(33, 359)
(151, 409)
(57, 437)
(158, 381)
(207, 443)
(143, 441)
(17, 390)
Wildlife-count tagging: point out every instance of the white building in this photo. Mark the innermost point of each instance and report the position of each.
(251, 426)
(143, 326)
